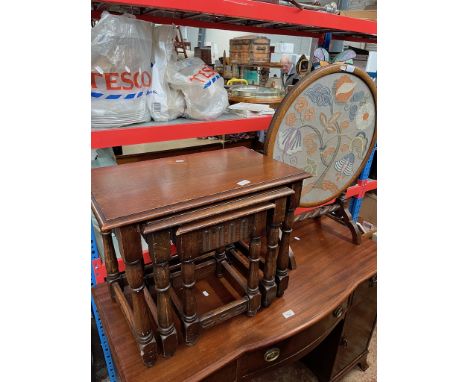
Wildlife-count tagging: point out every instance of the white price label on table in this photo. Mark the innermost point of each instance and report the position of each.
(288, 313)
(243, 182)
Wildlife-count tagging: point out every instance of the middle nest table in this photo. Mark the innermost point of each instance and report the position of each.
(203, 203)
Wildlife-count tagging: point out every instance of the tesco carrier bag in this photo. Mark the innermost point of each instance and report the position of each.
(120, 70)
(164, 103)
(203, 88)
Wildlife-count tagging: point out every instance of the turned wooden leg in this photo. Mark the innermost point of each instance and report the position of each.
(110, 260)
(159, 246)
(189, 306)
(190, 320)
(131, 252)
(292, 260)
(219, 257)
(282, 277)
(348, 219)
(268, 286)
(253, 290)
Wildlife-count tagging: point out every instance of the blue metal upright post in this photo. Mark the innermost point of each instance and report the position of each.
(327, 40)
(102, 336)
(355, 203)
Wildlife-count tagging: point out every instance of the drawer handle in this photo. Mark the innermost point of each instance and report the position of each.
(272, 355)
(373, 281)
(344, 342)
(338, 312)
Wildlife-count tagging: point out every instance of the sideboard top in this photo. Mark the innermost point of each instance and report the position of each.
(136, 192)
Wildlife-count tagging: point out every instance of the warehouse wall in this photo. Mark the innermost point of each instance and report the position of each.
(302, 45)
(221, 39)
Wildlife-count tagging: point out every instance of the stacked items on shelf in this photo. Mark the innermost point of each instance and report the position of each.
(125, 90)
(120, 71)
(164, 102)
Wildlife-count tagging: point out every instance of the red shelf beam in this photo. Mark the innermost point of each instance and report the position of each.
(255, 11)
(358, 191)
(123, 136)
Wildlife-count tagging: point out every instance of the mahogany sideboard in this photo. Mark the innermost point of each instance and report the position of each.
(331, 300)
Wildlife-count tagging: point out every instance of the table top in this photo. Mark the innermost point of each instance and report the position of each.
(329, 268)
(136, 192)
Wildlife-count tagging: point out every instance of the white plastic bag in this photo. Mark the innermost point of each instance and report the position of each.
(120, 70)
(164, 103)
(203, 88)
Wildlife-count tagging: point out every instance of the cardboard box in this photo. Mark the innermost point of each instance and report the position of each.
(360, 14)
(369, 209)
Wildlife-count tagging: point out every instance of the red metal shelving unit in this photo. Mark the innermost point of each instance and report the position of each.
(244, 15)
(173, 130)
(241, 15)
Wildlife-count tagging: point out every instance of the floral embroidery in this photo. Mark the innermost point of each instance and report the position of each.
(291, 119)
(329, 186)
(352, 111)
(293, 160)
(290, 141)
(344, 166)
(320, 95)
(328, 152)
(307, 188)
(310, 144)
(331, 125)
(344, 89)
(358, 96)
(301, 104)
(327, 132)
(364, 117)
(311, 167)
(309, 114)
(359, 144)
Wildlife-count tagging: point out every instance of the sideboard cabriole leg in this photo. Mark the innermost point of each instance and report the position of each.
(110, 260)
(348, 219)
(190, 320)
(282, 277)
(253, 290)
(363, 364)
(268, 286)
(159, 246)
(131, 252)
(220, 256)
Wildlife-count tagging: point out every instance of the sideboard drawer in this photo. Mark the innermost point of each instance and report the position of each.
(271, 356)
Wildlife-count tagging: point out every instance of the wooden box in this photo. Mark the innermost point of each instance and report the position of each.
(249, 49)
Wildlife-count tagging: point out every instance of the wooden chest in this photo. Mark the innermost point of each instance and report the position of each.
(249, 49)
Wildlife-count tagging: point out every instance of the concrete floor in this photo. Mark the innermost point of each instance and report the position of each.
(296, 372)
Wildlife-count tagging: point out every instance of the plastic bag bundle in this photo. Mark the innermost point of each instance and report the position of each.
(120, 70)
(164, 103)
(203, 88)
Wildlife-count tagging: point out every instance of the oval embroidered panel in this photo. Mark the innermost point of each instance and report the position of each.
(327, 131)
